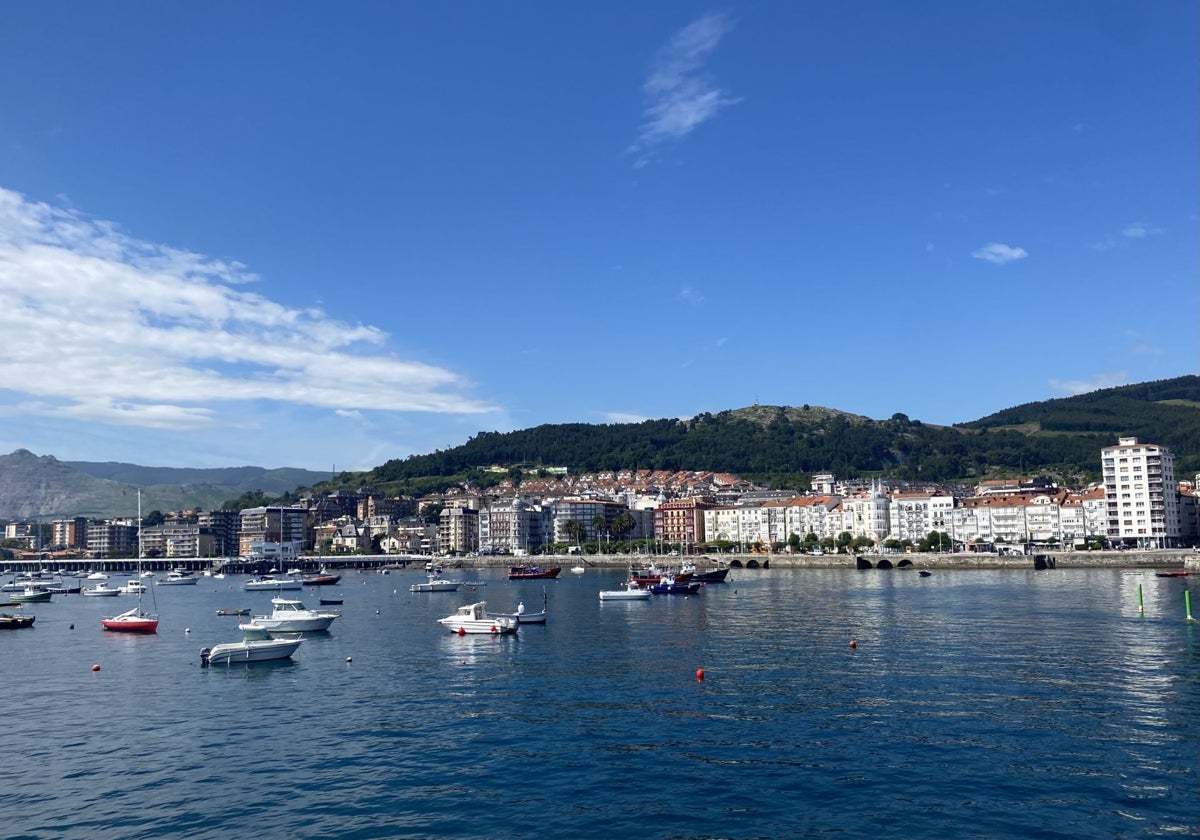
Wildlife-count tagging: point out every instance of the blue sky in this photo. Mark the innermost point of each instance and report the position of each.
(327, 235)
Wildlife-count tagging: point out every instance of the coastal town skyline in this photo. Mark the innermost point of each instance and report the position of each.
(330, 239)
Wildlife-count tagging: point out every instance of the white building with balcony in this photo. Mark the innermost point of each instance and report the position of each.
(1141, 494)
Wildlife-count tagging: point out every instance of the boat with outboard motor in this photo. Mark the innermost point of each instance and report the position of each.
(474, 618)
(257, 645)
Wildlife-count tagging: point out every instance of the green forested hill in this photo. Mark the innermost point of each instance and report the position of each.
(784, 445)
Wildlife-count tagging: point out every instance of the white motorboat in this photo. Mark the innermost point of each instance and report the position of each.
(577, 570)
(289, 616)
(133, 587)
(631, 592)
(97, 576)
(19, 584)
(271, 583)
(178, 577)
(474, 618)
(100, 590)
(436, 583)
(257, 645)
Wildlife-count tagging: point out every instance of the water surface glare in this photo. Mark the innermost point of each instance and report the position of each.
(976, 704)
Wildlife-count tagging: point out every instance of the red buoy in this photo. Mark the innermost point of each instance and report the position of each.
(699, 675)
(95, 667)
(853, 643)
(462, 631)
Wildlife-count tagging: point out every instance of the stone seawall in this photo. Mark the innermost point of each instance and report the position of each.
(1164, 559)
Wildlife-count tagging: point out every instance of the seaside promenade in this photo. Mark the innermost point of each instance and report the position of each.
(1175, 558)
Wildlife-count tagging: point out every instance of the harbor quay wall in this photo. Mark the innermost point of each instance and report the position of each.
(1166, 558)
(1152, 559)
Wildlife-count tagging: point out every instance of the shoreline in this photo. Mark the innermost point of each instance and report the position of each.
(1156, 559)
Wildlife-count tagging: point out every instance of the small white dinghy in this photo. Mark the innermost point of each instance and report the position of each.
(631, 592)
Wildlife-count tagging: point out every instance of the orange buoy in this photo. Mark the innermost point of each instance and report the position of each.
(853, 643)
(95, 667)
(699, 675)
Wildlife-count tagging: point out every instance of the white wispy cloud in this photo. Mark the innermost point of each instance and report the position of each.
(1139, 230)
(103, 327)
(624, 417)
(1131, 231)
(679, 96)
(691, 296)
(1074, 387)
(999, 253)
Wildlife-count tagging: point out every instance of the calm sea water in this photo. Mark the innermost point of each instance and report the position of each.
(976, 704)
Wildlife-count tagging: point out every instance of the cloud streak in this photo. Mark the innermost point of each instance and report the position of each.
(1075, 387)
(102, 327)
(999, 253)
(1131, 232)
(679, 95)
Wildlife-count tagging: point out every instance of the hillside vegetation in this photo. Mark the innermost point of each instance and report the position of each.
(783, 446)
(776, 446)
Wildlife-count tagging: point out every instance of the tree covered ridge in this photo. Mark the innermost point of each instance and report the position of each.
(784, 445)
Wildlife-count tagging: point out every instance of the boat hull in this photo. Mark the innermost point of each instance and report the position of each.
(16, 622)
(289, 625)
(530, 618)
(265, 585)
(100, 592)
(237, 653)
(625, 595)
(497, 626)
(133, 625)
(675, 588)
(322, 580)
(474, 619)
(435, 586)
(27, 597)
(516, 573)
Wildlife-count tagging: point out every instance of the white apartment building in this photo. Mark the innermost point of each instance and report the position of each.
(819, 515)
(866, 514)
(1141, 493)
(911, 516)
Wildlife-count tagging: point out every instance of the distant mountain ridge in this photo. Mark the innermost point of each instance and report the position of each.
(41, 487)
(773, 445)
